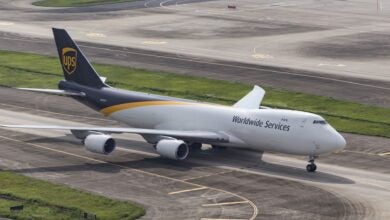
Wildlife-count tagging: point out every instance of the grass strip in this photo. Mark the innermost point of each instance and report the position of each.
(76, 3)
(30, 70)
(44, 200)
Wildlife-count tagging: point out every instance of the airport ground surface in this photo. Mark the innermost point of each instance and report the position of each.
(341, 45)
(353, 184)
(335, 48)
(366, 91)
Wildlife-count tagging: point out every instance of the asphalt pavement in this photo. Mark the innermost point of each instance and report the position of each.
(211, 184)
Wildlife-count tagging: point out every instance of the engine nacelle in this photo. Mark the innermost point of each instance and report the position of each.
(100, 143)
(172, 149)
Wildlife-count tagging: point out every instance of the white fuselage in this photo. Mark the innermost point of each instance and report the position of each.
(285, 131)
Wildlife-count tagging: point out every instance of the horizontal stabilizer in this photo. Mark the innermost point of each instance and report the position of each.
(252, 100)
(55, 92)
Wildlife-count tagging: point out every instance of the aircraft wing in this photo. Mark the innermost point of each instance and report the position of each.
(202, 136)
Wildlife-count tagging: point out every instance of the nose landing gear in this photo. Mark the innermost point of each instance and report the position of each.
(311, 167)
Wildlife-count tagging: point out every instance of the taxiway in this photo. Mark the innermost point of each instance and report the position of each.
(210, 185)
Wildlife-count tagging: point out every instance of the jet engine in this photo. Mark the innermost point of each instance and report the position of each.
(172, 149)
(100, 143)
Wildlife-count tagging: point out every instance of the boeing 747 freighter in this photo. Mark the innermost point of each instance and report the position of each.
(174, 126)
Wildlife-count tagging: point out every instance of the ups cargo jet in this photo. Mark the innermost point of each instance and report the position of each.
(174, 126)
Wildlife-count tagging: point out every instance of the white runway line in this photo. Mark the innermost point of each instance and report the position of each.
(222, 219)
(327, 64)
(384, 154)
(95, 35)
(224, 203)
(187, 190)
(6, 23)
(151, 42)
(260, 56)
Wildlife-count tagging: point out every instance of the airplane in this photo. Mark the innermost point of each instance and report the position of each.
(176, 126)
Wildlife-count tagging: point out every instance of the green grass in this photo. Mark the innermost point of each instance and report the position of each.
(76, 3)
(44, 200)
(28, 70)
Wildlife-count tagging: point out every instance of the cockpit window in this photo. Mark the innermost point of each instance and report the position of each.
(322, 122)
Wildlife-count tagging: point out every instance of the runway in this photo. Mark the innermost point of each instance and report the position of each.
(210, 185)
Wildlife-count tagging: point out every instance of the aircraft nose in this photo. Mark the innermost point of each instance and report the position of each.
(338, 142)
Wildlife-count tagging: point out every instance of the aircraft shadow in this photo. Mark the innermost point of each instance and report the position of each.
(254, 164)
(242, 159)
(99, 167)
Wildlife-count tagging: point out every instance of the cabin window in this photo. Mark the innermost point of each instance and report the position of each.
(322, 122)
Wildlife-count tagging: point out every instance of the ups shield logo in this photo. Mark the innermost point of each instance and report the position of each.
(69, 59)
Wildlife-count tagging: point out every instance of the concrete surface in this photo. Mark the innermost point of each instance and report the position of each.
(347, 38)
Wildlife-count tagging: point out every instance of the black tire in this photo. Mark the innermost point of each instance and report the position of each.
(314, 167)
(311, 168)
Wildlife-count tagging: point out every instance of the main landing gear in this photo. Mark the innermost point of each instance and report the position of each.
(311, 167)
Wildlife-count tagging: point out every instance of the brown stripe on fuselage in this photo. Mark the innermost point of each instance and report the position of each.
(109, 110)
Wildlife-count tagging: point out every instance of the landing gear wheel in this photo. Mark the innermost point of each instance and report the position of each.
(311, 168)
